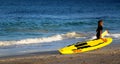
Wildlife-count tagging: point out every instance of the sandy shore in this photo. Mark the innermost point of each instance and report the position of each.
(106, 55)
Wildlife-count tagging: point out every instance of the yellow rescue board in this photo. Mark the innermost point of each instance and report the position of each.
(85, 46)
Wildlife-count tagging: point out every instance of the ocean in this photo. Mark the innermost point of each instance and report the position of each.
(29, 26)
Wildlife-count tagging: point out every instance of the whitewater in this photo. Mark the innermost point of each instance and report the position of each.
(29, 26)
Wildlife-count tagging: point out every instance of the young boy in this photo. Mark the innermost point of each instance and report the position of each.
(99, 29)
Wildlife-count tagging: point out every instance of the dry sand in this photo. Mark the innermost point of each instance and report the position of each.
(106, 55)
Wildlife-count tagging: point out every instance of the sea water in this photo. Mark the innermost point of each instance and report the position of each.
(28, 26)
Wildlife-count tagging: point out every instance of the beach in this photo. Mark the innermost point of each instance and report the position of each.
(32, 31)
(106, 55)
(33, 26)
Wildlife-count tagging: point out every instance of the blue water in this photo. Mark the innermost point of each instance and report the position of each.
(28, 26)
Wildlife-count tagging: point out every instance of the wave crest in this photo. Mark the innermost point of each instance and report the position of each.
(41, 40)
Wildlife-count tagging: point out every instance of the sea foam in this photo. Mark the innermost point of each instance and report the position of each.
(41, 40)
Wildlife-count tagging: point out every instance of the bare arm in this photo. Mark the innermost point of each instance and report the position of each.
(100, 33)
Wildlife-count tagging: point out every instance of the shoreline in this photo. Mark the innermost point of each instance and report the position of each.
(106, 55)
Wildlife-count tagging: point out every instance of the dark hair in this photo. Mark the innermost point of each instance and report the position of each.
(99, 22)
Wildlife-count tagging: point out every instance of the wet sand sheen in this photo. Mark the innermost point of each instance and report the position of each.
(106, 55)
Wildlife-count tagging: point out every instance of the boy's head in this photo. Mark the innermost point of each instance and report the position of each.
(100, 22)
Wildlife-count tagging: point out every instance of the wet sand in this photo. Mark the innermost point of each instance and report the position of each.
(106, 55)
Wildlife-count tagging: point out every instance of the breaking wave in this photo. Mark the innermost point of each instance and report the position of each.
(115, 36)
(41, 40)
